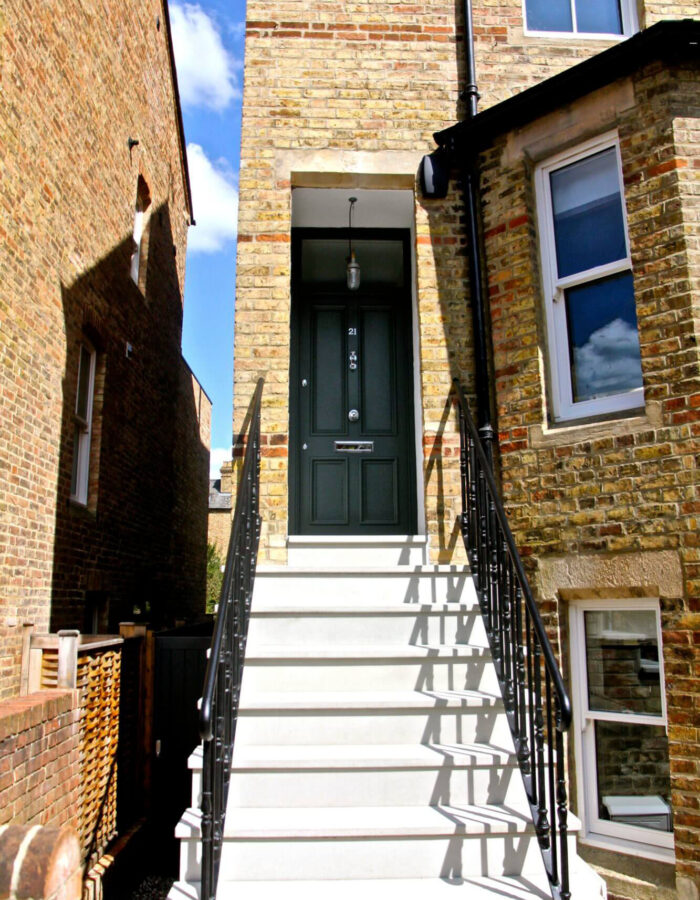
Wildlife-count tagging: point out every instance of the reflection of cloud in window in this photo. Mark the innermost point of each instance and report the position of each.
(608, 363)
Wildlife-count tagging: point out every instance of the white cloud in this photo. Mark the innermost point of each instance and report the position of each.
(215, 202)
(206, 71)
(609, 362)
(218, 456)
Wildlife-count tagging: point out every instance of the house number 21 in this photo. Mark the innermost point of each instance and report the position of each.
(352, 331)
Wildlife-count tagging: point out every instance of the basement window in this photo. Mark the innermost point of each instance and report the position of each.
(621, 742)
(585, 18)
(593, 342)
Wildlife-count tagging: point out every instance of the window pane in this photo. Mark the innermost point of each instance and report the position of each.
(603, 339)
(549, 15)
(589, 228)
(634, 785)
(77, 431)
(81, 403)
(622, 659)
(599, 16)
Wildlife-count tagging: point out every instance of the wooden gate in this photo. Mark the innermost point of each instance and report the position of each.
(180, 663)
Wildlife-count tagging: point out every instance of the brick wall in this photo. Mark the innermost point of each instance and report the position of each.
(188, 527)
(612, 504)
(394, 80)
(219, 531)
(40, 759)
(77, 81)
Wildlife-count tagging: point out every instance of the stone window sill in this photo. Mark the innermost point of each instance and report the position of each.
(572, 433)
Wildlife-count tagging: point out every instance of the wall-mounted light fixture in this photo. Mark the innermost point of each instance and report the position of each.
(435, 175)
(353, 270)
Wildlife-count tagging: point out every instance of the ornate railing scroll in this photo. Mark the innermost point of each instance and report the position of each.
(222, 682)
(536, 701)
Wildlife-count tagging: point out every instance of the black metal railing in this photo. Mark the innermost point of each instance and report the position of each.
(222, 682)
(536, 701)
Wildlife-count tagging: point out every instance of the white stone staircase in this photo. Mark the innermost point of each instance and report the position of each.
(372, 754)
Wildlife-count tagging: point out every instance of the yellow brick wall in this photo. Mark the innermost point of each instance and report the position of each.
(612, 504)
(353, 90)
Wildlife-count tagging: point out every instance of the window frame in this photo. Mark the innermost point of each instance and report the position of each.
(596, 831)
(628, 13)
(563, 406)
(82, 428)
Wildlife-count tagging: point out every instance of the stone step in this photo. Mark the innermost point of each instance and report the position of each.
(310, 667)
(381, 717)
(308, 843)
(585, 885)
(357, 551)
(372, 774)
(392, 785)
(404, 584)
(365, 625)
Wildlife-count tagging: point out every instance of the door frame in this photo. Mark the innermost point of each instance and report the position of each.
(298, 235)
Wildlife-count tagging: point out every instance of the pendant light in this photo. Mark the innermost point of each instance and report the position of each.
(353, 270)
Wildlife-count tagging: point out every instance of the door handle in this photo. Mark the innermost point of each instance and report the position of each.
(353, 415)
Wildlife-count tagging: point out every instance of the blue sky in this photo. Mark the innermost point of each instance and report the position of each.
(208, 40)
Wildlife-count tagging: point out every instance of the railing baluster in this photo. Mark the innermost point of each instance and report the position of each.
(222, 683)
(562, 812)
(539, 713)
(551, 795)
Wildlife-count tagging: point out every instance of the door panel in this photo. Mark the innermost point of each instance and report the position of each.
(377, 373)
(379, 503)
(329, 492)
(328, 385)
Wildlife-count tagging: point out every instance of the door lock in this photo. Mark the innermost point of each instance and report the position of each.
(353, 415)
(353, 360)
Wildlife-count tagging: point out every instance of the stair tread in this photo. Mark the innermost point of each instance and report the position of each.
(585, 886)
(337, 701)
(452, 607)
(344, 540)
(499, 888)
(280, 823)
(359, 756)
(395, 570)
(367, 651)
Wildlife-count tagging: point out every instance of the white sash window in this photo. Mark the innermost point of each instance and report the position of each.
(593, 343)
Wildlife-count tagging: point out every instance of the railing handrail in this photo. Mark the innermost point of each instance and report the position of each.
(218, 713)
(249, 460)
(548, 653)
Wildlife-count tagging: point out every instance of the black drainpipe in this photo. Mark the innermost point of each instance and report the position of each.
(469, 173)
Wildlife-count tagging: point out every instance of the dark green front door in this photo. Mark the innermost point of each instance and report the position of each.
(352, 437)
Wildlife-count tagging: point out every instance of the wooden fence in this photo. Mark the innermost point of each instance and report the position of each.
(111, 674)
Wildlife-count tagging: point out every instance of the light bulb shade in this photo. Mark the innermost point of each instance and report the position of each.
(353, 273)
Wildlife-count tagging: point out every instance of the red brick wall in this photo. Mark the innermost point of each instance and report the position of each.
(78, 79)
(40, 759)
(191, 473)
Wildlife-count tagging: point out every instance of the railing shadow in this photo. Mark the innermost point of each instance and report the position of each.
(536, 702)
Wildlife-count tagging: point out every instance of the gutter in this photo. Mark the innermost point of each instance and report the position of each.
(670, 40)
